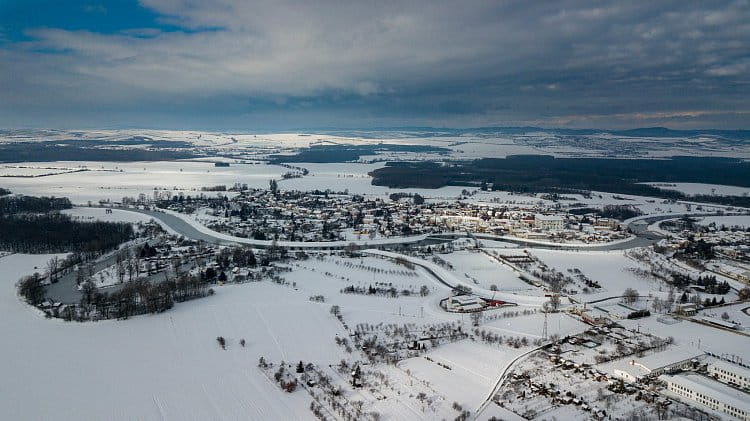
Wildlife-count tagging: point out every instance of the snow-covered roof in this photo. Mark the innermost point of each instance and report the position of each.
(712, 388)
(540, 217)
(733, 368)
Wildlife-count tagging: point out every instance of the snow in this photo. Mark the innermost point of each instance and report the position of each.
(703, 189)
(475, 369)
(476, 267)
(728, 221)
(114, 180)
(609, 268)
(193, 221)
(99, 214)
(164, 366)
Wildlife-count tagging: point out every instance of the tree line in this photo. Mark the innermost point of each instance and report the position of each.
(57, 233)
(11, 205)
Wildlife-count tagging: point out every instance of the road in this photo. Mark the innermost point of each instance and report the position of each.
(65, 290)
(642, 237)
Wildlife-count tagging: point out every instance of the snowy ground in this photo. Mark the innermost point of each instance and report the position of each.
(165, 366)
(479, 269)
(609, 268)
(100, 214)
(728, 221)
(702, 188)
(114, 180)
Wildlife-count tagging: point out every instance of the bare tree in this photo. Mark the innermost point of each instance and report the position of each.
(53, 265)
(630, 295)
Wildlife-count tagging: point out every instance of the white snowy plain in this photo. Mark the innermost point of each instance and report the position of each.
(163, 366)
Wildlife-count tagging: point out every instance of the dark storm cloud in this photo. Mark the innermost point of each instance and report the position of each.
(291, 64)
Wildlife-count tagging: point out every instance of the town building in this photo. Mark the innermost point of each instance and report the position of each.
(465, 303)
(731, 374)
(709, 393)
(549, 222)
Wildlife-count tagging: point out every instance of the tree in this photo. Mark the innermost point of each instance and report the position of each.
(31, 289)
(222, 342)
(725, 316)
(300, 367)
(476, 318)
(554, 301)
(657, 304)
(630, 295)
(744, 294)
(53, 265)
(335, 310)
(424, 291)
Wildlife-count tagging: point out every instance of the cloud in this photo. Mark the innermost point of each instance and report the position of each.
(388, 62)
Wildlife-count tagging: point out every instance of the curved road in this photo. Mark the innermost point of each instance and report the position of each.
(642, 238)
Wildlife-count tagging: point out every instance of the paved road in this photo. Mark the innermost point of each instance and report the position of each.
(643, 237)
(182, 227)
(65, 290)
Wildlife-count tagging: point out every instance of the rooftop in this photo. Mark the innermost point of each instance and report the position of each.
(704, 385)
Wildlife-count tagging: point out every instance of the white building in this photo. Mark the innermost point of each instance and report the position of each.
(711, 394)
(653, 365)
(549, 222)
(730, 373)
(465, 303)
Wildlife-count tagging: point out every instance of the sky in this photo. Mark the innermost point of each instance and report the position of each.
(284, 65)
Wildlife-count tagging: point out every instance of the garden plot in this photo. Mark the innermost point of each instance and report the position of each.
(609, 268)
(475, 268)
(465, 372)
(163, 366)
(539, 390)
(695, 335)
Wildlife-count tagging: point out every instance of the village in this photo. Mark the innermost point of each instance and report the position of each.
(290, 215)
(562, 335)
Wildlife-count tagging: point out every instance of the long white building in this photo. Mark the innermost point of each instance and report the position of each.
(729, 373)
(710, 393)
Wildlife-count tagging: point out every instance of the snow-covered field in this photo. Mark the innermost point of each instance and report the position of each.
(479, 269)
(114, 180)
(703, 189)
(727, 221)
(164, 366)
(117, 215)
(609, 268)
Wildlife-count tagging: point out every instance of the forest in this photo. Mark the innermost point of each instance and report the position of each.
(57, 233)
(10, 205)
(547, 174)
(51, 151)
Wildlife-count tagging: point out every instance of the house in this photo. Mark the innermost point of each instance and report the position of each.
(686, 309)
(465, 303)
(595, 317)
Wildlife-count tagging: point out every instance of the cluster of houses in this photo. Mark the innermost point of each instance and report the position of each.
(327, 216)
